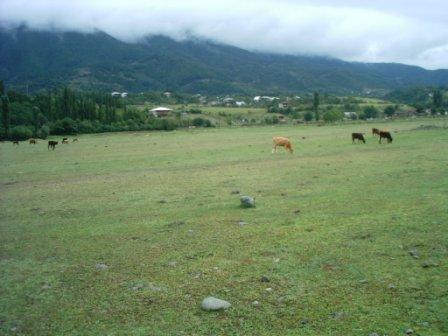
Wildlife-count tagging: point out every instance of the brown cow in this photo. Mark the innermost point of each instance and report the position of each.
(282, 142)
(385, 135)
(33, 141)
(375, 131)
(358, 136)
(52, 144)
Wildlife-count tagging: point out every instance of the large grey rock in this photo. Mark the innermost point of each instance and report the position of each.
(211, 303)
(247, 202)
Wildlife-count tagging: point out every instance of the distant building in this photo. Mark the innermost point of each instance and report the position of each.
(160, 111)
(228, 101)
(350, 115)
(119, 94)
(258, 99)
(284, 105)
(240, 103)
(167, 94)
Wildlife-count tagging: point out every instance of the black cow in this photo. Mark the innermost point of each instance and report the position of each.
(385, 135)
(359, 137)
(52, 144)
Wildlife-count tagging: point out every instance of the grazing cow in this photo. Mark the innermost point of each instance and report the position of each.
(33, 141)
(282, 142)
(385, 135)
(75, 139)
(375, 131)
(15, 142)
(359, 137)
(65, 141)
(52, 144)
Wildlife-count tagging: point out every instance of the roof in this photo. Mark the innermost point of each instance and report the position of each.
(161, 109)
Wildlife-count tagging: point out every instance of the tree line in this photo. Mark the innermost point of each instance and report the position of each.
(65, 111)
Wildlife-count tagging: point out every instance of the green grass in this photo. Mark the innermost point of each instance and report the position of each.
(158, 209)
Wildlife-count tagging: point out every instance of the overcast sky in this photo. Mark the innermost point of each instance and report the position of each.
(411, 32)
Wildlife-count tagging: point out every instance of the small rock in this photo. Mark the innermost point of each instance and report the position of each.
(235, 192)
(303, 322)
(276, 260)
(374, 334)
(46, 286)
(427, 264)
(284, 194)
(425, 324)
(101, 266)
(338, 315)
(255, 303)
(247, 202)
(264, 278)
(391, 286)
(269, 289)
(363, 281)
(297, 211)
(162, 201)
(241, 223)
(211, 304)
(409, 331)
(414, 253)
(172, 264)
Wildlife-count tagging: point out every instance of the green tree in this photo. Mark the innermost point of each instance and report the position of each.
(308, 116)
(437, 99)
(333, 115)
(6, 114)
(370, 112)
(389, 111)
(316, 102)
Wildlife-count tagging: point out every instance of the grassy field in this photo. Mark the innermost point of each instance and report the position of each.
(125, 234)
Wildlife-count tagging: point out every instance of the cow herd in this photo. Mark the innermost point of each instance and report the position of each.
(286, 143)
(375, 131)
(51, 143)
(277, 141)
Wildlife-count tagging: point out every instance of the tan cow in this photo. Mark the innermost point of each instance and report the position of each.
(282, 142)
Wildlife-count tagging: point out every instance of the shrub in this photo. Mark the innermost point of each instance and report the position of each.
(201, 122)
(370, 112)
(43, 132)
(86, 126)
(195, 111)
(308, 116)
(333, 115)
(64, 126)
(21, 133)
(389, 111)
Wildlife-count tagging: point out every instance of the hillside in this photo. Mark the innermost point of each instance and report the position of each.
(99, 61)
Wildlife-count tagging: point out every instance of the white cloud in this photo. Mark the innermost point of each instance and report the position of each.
(409, 32)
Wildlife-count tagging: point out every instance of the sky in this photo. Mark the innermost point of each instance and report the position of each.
(411, 32)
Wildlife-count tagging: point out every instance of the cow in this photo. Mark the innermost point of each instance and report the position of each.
(282, 142)
(385, 135)
(359, 137)
(75, 139)
(33, 141)
(52, 144)
(15, 142)
(375, 131)
(65, 141)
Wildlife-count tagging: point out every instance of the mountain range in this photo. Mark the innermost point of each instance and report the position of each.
(33, 60)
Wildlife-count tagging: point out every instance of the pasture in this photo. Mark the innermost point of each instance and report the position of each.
(125, 234)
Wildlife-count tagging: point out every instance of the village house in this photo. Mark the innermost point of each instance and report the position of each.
(160, 111)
